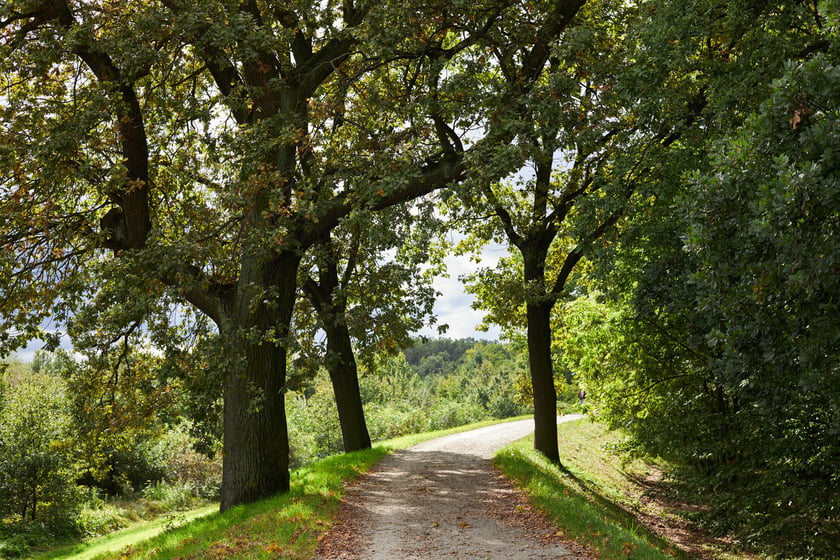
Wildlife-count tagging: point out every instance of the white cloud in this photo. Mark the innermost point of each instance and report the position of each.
(454, 306)
(27, 353)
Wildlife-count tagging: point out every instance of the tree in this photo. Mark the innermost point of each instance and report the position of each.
(39, 468)
(360, 295)
(771, 273)
(720, 291)
(581, 151)
(195, 150)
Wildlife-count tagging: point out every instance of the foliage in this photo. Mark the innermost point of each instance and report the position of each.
(401, 398)
(188, 154)
(436, 355)
(59, 454)
(120, 409)
(772, 334)
(722, 304)
(38, 467)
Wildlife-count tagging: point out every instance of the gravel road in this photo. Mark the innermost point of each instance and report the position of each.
(444, 499)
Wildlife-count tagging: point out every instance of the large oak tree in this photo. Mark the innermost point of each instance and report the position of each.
(191, 152)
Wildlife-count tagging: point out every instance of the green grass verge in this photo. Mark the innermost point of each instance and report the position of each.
(284, 526)
(118, 540)
(583, 497)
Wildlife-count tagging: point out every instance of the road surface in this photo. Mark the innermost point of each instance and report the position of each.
(444, 499)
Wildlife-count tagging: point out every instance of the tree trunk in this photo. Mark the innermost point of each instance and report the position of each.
(256, 440)
(542, 380)
(341, 365)
(331, 307)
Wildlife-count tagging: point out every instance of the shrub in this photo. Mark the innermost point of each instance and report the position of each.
(99, 518)
(183, 465)
(171, 496)
(449, 414)
(14, 546)
(37, 466)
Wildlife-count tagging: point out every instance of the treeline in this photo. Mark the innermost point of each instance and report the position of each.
(85, 451)
(707, 329)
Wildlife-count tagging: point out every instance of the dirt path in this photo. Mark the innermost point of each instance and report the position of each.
(444, 499)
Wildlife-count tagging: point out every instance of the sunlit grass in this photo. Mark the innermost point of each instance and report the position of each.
(583, 500)
(287, 525)
(118, 540)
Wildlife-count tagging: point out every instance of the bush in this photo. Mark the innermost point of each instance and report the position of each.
(37, 467)
(302, 439)
(100, 518)
(18, 538)
(183, 465)
(449, 414)
(171, 496)
(386, 421)
(14, 546)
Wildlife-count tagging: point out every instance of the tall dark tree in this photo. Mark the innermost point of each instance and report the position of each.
(581, 151)
(366, 302)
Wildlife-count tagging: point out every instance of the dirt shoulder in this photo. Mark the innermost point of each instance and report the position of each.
(445, 499)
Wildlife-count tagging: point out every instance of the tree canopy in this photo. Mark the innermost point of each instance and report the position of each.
(714, 308)
(179, 173)
(188, 153)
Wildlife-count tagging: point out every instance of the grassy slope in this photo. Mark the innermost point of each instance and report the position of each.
(287, 525)
(593, 494)
(583, 502)
(118, 540)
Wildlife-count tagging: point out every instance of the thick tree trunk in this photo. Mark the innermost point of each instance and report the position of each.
(542, 380)
(256, 441)
(256, 444)
(341, 365)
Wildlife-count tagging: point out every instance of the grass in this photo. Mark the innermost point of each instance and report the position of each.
(285, 526)
(583, 502)
(592, 495)
(118, 540)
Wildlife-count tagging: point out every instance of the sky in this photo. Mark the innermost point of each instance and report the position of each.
(454, 306)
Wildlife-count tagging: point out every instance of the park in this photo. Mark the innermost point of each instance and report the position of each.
(223, 220)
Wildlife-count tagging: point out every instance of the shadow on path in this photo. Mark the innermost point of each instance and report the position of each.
(442, 500)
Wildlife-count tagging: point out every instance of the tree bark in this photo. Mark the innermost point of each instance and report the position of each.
(538, 310)
(341, 365)
(340, 359)
(542, 380)
(256, 440)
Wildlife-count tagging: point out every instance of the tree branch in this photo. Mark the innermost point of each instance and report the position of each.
(577, 253)
(501, 212)
(133, 198)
